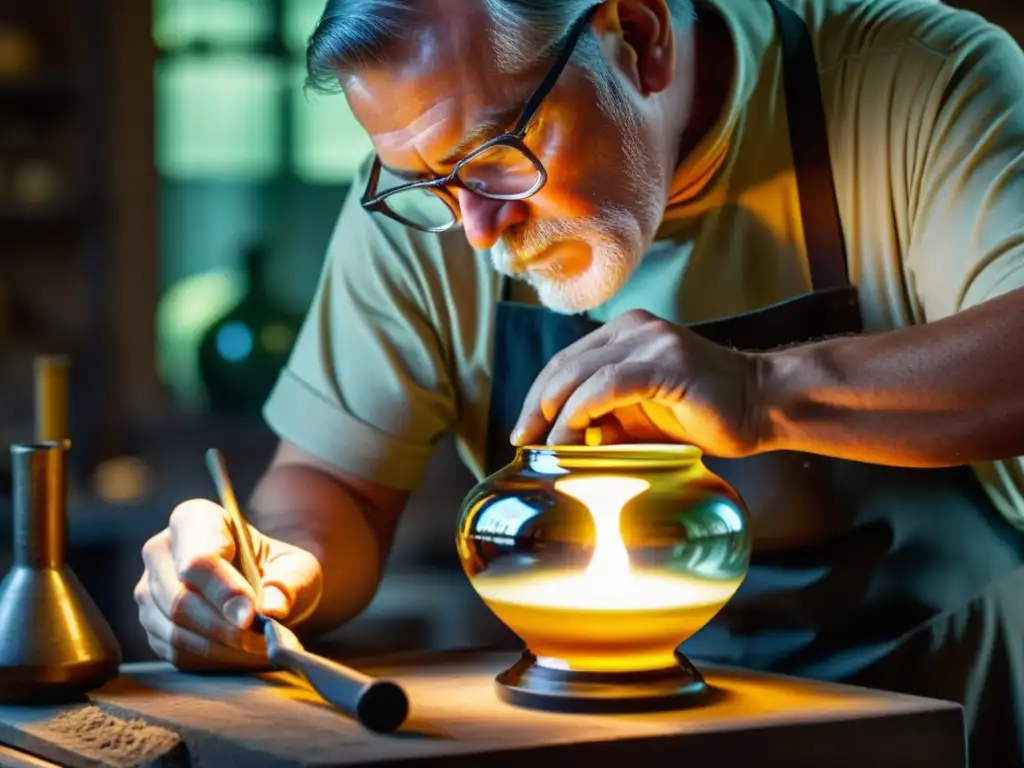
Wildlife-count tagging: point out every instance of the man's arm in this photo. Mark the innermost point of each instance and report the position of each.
(945, 393)
(359, 409)
(365, 397)
(949, 391)
(346, 523)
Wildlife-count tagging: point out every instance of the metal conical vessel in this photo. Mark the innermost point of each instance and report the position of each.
(54, 642)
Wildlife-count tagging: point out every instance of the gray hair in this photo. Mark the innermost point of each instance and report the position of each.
(354, 33)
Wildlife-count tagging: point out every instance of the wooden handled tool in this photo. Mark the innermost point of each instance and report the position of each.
(379, 705)
(245, 555)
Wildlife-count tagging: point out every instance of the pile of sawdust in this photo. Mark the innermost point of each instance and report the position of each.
(91, 732)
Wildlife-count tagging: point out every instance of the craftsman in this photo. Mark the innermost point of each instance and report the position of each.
(790, 232)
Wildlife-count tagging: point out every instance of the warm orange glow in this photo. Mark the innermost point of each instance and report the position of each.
(609, 616)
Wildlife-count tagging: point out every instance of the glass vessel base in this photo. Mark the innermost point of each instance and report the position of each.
(525, 684)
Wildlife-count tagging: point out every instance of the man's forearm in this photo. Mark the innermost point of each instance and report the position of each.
(938, 394)
(305, 507)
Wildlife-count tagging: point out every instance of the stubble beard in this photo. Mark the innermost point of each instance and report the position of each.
(617, 237)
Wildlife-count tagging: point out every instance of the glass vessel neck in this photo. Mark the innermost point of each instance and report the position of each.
(637, 457)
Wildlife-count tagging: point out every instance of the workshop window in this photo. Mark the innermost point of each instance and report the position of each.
(245, 156)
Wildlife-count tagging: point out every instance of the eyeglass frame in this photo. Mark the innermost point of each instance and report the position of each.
(373, 202)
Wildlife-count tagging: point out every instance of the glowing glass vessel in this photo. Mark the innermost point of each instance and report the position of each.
(604, 559)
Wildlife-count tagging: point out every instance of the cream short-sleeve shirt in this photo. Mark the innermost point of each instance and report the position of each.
(925, 113)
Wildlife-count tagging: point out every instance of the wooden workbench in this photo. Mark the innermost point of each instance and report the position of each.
(269, 721)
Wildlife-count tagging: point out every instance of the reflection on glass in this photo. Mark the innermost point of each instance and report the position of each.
(503, 520)
(300, 19)
(237, 23)
(218, 117)
(329, 142)
(625, 552)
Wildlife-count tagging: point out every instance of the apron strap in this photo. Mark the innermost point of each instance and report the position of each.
(808, 138)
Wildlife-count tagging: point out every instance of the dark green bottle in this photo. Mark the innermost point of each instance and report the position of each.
(242, 354)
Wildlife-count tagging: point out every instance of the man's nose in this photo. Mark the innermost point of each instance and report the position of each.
(485, 220)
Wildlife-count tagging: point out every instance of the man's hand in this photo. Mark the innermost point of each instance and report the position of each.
(198, 610)
(642, 379)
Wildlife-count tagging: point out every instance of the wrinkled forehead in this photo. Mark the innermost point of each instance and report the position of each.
(441, 83)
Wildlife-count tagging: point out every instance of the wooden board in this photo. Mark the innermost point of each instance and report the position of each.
(271, 721)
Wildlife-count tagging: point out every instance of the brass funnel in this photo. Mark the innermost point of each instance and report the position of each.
(54, 643)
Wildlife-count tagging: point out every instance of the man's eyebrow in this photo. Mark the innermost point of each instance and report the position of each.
(501, 123)
(491, 129)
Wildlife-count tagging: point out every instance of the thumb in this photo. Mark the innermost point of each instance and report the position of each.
(292, 583)
(276, 603)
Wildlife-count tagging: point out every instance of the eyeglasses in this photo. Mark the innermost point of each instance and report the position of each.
(502, 168)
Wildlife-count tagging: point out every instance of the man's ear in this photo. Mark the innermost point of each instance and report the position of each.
(638, 36)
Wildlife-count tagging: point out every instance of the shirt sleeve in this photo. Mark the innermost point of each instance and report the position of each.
(967, 234)
(368, 387)
(967, 184)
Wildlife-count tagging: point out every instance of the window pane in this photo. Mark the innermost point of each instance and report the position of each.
(329, 143)
(178, 23)
(218, 117)
(300, 18)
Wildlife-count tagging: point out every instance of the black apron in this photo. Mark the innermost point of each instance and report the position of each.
(922, 590)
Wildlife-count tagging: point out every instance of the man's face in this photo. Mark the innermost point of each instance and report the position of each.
(579, 239)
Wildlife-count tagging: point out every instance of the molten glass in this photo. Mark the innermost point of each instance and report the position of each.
(604, 559)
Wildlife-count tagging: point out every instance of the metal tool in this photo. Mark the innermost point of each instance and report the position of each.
(55, 645)
(380, 705)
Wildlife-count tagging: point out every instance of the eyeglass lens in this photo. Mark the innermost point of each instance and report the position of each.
(500, 171)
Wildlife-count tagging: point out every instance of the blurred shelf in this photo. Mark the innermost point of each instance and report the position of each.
(43, 88)
(63, 214)
(68, 110)
(173, 455)
(195, 428)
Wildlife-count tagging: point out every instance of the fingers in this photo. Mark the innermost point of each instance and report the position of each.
(202, 547)
(553, 388)
(637, 423)
(292, 583)
(571, 367)
(197, 609)
(276, 602)
(190, 635)
(190, 650)
(186, 608)
(613, 430)
(609, 388)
